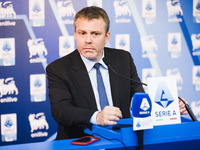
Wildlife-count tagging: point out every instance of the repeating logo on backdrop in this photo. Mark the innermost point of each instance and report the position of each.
(37, 50)
(174, 10)
(37, 12)
(122, 41)
(8, 127)
(66, 45)
(38, 125)
(38, 87)
(196, 11)
(149, 11)
(8, 90)
(149, 46)
(7, 51)
(195, 44)
(66, 11)
(122, 11)
(176, 72)
(196, 77)
(174, 44)
(6, 10)
(147, 73)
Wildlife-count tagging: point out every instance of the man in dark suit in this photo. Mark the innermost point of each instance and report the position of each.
(72, 82)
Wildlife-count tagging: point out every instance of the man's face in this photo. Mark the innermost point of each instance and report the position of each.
(91, 38)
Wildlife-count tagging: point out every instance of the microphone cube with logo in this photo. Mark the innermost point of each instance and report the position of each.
(140, 109)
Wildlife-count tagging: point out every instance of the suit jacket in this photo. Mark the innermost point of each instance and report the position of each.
(71, 94)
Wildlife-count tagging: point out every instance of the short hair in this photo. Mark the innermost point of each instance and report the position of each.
(93, 12)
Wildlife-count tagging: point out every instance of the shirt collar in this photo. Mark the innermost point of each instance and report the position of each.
(89, 64)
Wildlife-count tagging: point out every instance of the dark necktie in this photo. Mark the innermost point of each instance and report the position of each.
(101, 88)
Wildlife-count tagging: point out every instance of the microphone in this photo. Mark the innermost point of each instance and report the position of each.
(127, 78)
(190, 112)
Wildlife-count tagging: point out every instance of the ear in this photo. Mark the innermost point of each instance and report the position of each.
(107, 37)
(75, 34)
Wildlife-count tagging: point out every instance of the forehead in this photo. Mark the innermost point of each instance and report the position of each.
(90, 24)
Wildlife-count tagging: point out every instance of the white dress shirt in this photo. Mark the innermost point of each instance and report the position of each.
(105, 75)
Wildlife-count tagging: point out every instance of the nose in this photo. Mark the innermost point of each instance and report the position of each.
(88, 39)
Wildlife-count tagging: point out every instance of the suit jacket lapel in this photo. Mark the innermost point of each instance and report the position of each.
(114, 79)
(82, 77)
(84, 81)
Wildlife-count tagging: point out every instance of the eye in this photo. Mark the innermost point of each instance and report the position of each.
(82, 33)
(95, 34)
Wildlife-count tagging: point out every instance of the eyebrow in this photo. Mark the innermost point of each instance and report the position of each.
(80, 30)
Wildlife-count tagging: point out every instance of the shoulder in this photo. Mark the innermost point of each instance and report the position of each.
(64, 61)
(116, 52)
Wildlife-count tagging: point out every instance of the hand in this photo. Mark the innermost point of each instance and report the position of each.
(182, 108)
(109, 116)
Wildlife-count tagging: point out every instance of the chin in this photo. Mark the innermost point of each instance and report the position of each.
(90, 57)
